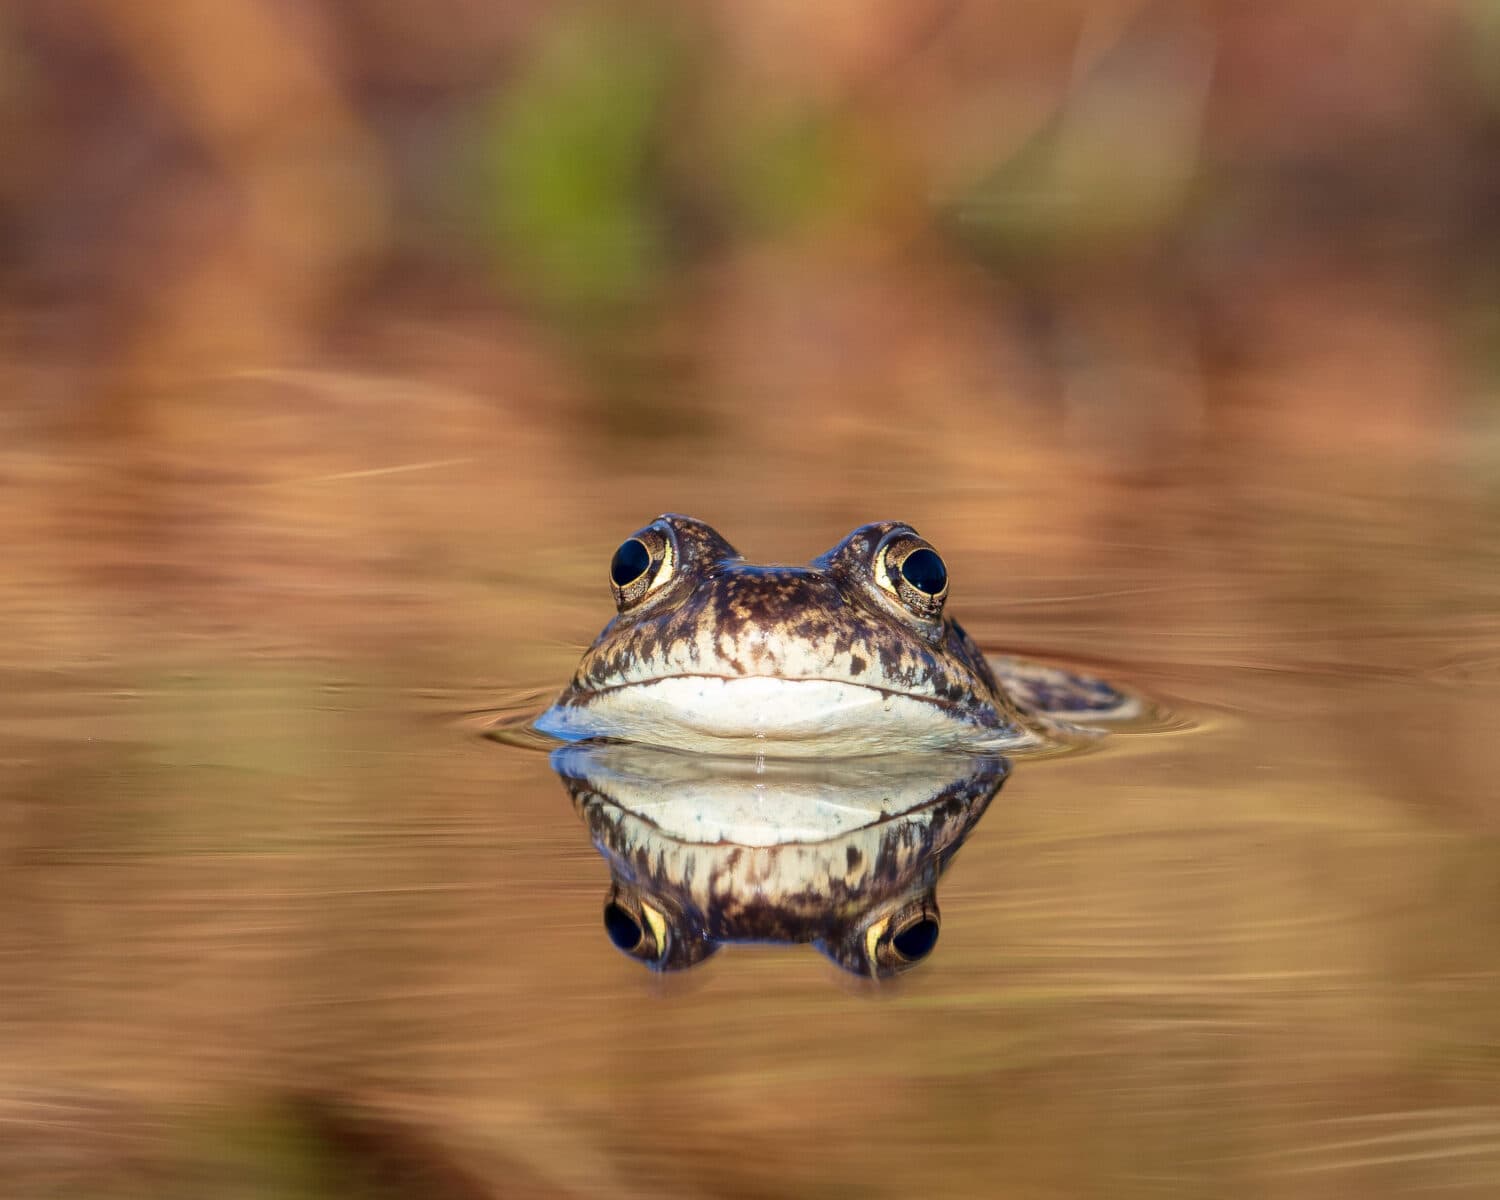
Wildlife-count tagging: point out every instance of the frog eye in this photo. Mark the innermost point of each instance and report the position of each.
(636, 928)
(653, 932)
(916, 573)
(631, 561)
(916, 941)
(643, 562)
(903, 939)
(623, 929)
(924, 570)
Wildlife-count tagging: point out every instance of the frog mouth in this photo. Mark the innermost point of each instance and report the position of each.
(768, 684)
(755, 714)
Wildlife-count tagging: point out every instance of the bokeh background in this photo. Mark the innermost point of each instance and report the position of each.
(546, 257)
(341, 342)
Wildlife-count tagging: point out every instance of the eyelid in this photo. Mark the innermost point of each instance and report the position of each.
(668, 565)
(881, 570)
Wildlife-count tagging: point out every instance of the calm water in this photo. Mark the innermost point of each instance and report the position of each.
(278, 920)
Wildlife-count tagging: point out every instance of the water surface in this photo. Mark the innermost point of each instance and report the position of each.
(271, 901)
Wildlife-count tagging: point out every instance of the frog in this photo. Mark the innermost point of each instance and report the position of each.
(844, 855)
(852, 654)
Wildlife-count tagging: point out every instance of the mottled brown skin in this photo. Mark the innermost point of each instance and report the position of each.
(721, 616)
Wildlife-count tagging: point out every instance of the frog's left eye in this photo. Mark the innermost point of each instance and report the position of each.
(916, 573)
(924, 570)
(643, 562)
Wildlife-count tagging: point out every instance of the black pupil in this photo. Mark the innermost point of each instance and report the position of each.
(924, 570)
(622, 928)
(916, 941)
(630, 562)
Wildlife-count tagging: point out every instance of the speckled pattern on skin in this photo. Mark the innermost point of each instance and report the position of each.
(702, 612)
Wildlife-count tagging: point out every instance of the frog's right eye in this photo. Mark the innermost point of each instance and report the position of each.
(631, 561)
(643, 563)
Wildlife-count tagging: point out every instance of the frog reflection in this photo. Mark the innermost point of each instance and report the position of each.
(844, 855)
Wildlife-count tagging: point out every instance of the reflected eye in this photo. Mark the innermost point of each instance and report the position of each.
(916, 940)
(645, 931)
(631, 561)
(623, 929)
(924, 570)
(900, 940)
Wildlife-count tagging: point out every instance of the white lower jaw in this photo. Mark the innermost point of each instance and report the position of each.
(783, 718)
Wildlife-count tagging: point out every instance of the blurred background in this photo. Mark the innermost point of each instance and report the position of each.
(340, 343)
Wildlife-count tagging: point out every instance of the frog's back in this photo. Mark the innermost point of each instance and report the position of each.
(1063, 694)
